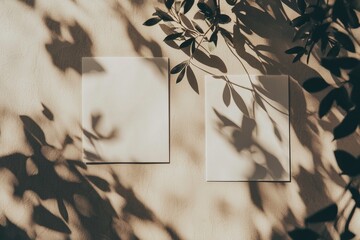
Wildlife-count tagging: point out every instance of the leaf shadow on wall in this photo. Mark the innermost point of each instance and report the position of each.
(270, 58)
(48, 174)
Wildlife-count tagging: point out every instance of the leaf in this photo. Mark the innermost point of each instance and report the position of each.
(303, 234)
(205, 9)
(33, 129)
(99, 182)
(45, 218)
(173, 36)
(48, 114)
(300, 20)
(355, 4)
(227, 35)
(324, 43)
(347, 235)
(163, 15)
(192, 79)
(178, 67)
(297, 49)
(298, 57)
(301, 5)
(345, 41)
(197, 27)
(181, 75)
(226, 95)
(226, 122)
(346, 62)
(348, 164)
(353, 19)
(319, 31)
(214, 37)
(152, 21)
(188, 5)
(303, 30)
(239, 102)
(327, 214)
(193, 47)
(348, 125)
(187, 43)
(334, 51)
(327, 102)
(169, 3)
(315, 84)
(62, 209)
(343, 99)
(355, 195)
(260, 102)
(223, 19)
(231, 2)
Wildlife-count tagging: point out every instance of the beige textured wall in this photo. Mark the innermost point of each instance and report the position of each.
(151, 201)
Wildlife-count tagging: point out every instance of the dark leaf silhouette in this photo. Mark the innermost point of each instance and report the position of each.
(214, 37)
(303, 233)
(173, 36)
(163, 15)
(188, 5)
(181, 75)
(62, 209)
(205, 9)
(324, 215)
(348, 125)
(231, 2)
(301, 5)
(169, 3)
(178, 67)
(48, 114)
(334, 64)
(193, 47)
(299, 21)
(223, 19)
(226, 95)
(343, 99)
(43, 217)
(152, 21)
(355, 195)
(259, 101)
(348, 164)
(226, 122)
(347, 235)
(297, 49)
(315, 84)
(227, 36)
(327, 102)
(334, 51)
(33, 129)
(345, 41)
(192, 79)
(100, 183)
(187, 43)
(303, 31)
(298, 57)
(239, 102)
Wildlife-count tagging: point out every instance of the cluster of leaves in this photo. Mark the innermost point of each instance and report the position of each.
(39, 173)
(188, 34)
(324, 25)
(320, 26)
(329, 27)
